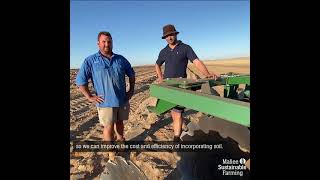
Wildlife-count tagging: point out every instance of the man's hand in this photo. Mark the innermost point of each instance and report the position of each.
(203, 69)
(129, 94)
(213, 75)
(96, 99)
(159, 80)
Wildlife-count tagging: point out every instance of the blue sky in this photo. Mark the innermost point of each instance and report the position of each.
(214, 29)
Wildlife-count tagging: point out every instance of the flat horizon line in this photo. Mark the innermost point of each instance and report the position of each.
(219, 59)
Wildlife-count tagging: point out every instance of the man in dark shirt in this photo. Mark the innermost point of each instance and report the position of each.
(175, 56)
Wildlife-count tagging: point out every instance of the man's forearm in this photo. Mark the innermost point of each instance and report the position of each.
(85, 91)
(201, 67)
(132, 81)
(158, 71)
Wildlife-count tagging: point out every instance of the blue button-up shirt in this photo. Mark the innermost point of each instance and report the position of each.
(107, 76)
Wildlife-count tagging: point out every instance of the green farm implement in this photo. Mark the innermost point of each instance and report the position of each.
(227, 113)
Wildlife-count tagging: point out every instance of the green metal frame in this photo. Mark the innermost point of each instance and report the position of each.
(247, 91)
(228, 109)
(230, 91)
(231, 85)
(238, 80)
(162, 107)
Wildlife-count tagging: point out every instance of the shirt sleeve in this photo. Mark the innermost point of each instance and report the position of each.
(84, 74)
(191, 55)
(128, 69)
(160, 60)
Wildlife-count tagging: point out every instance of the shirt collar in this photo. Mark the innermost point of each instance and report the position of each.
(178, 43)
(98, 54)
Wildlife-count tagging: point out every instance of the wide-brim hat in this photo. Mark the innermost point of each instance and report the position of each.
(169, 29)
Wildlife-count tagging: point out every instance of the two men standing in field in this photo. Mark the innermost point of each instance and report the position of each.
(107, 72)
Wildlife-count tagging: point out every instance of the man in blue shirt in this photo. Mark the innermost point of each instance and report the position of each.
(107, 72)
(175, 56)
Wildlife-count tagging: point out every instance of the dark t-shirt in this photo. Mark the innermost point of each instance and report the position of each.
(176, 60)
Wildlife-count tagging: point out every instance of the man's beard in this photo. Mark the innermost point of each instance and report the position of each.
(172, 42)
(107, 50)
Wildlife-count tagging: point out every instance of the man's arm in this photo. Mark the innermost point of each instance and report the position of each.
(82, 78)
(132, 81)
(203, 69)
(131, 74)
(92, 98)
(158, 65)
(159, 73)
